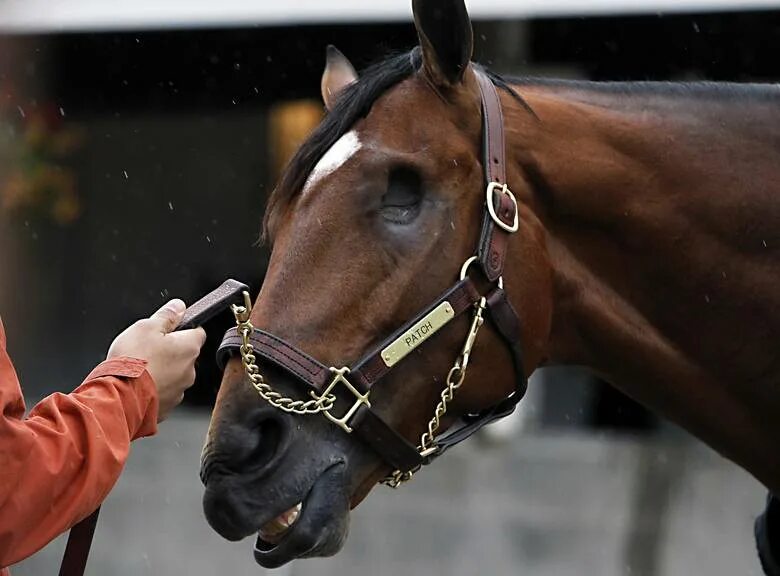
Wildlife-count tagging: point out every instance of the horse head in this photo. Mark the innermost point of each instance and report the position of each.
(371, 222)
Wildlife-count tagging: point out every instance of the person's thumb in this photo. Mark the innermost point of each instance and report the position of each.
(169, 316)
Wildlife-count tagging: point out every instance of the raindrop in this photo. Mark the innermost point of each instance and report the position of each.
(170, 206)
(256, 90)
(233, 100)
(707, 298)
(208, 239)
(696, 27)
(237, 66)
(764, 243)
(62, 112)
(125, 173)
(21, 111)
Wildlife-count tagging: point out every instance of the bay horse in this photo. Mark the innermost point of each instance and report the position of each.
(646, 247)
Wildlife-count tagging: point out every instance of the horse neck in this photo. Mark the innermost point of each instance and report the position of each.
(660, 213)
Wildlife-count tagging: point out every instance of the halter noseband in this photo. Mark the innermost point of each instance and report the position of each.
(500, 220)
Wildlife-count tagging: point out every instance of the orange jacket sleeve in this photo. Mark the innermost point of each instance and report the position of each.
(58, 464)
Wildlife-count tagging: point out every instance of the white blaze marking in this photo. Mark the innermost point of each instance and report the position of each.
(341, 151)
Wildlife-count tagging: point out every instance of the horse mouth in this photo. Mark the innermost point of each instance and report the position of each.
(274, 530)
(316, 526)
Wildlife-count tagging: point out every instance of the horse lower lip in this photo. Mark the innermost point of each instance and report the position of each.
(273, 530)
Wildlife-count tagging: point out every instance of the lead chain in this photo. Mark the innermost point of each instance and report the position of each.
(267, 393)
(455, 378)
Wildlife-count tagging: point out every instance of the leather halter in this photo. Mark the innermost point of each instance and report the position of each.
(500, 220)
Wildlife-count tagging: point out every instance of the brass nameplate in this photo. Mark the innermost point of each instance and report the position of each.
(418, 333)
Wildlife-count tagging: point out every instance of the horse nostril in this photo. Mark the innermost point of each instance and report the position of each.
(252, 444)
(269, 434)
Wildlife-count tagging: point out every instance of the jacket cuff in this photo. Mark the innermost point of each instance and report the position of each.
(123, 367)
(133, 371)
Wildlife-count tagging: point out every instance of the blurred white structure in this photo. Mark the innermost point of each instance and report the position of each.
(73, 15)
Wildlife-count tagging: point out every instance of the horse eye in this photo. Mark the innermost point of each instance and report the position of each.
(401, 202)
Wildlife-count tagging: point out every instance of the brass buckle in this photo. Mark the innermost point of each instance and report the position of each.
(339, 376)
(504, 189)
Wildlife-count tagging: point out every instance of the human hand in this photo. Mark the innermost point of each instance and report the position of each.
(170, 355)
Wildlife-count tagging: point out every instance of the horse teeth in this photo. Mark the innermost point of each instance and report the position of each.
(273, 530)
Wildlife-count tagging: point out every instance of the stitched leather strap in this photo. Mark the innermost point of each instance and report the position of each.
(371, 368)
(393, 448)
(507, 323)
(316, 375)
(275, 350)
(366, 423)
(493, 240)
(212, 304)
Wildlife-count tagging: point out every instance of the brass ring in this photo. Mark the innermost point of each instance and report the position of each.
(465, 268)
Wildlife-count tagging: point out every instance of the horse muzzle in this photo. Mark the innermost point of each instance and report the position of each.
(319, 528)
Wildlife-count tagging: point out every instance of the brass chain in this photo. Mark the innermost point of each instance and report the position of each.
(427, 446)
(267, 393)
(455, 378)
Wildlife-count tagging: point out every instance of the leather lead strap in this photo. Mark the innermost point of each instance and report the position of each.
(74, 562)
(493, 240)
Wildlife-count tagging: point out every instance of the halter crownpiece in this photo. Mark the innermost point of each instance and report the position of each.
(500, 220)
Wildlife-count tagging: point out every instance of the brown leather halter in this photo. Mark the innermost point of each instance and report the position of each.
(500, 220)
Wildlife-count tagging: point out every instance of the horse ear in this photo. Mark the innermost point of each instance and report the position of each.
(338, 74)
(446, 39)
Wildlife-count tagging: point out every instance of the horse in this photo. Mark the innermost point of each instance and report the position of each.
(645, 246)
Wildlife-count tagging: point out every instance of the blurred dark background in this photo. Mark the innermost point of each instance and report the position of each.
(134, 166)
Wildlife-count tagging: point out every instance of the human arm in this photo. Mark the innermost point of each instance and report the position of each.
(58, 464)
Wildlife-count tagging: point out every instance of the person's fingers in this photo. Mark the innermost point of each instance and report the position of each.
(200, 335)
(168, 317)
(188, 341)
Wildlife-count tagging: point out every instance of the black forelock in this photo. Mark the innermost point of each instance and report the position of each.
(352, 105)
